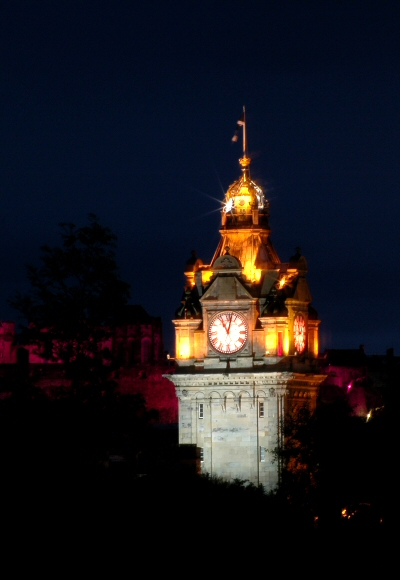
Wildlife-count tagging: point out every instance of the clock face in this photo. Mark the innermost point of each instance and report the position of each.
(228, 332)
(299, 333)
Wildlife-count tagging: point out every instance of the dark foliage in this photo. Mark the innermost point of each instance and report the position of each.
(49, 442)
(75, 297)
(334, 461)
(99, 467)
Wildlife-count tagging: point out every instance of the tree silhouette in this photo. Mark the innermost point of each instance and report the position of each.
(326, 461)
(75, 298)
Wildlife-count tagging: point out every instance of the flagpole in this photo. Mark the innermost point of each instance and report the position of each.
(244, 132)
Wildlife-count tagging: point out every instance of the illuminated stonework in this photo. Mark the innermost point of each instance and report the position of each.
(222, 415)
(184, 348)
(244, 321)
(281, 289)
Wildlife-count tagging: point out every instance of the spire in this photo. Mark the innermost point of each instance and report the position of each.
(245, 164)
(245, 219)
(244, 133)
(244, 197)
(245, 160)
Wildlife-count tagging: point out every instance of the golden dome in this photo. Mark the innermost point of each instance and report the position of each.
(244, 195)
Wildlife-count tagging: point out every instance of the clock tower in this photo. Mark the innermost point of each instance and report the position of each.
(246, 342)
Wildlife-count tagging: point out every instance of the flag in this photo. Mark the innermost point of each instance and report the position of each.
(239, 124)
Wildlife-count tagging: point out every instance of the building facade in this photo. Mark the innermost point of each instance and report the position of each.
(135, 339)
(246, 343)
(136, 345)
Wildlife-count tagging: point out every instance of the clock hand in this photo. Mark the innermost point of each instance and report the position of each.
(223, 324)
(230, 320)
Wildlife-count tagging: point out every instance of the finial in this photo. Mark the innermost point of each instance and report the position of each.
(245, 160)
(227, 248)
(245, 163)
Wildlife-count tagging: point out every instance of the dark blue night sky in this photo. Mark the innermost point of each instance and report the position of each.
(126, 109)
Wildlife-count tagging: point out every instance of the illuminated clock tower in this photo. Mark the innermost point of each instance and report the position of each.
(246, 342)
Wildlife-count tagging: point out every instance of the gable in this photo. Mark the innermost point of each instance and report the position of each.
(226, 288)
